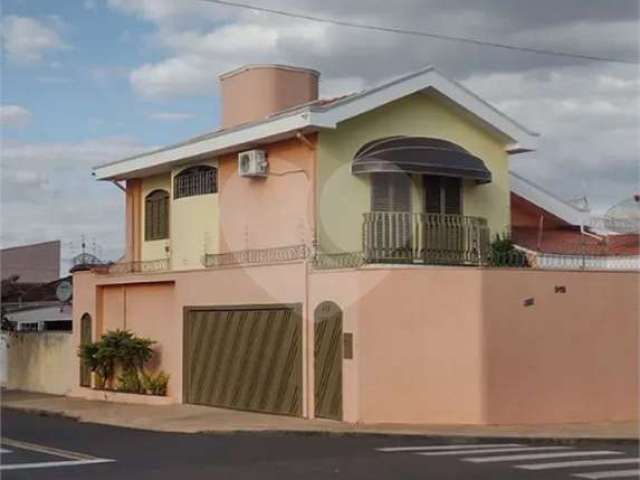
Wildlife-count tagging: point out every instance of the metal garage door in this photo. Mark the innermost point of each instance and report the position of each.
(248, 358)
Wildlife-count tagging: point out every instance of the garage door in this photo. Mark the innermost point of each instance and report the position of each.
(244, 358)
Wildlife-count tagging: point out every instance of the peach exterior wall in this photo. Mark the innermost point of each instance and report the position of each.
(151, 305)
(570, 357)
(273, 211)
(431, 344)
(417, 346)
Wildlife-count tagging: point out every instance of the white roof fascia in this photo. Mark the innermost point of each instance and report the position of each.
(523, 139)
(547, 201)
(329, 117)
(208, 146)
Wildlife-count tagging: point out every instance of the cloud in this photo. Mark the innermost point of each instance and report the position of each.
(171, 116)
(50, 185)
(14, 116)
(26, 40)
(586, 111)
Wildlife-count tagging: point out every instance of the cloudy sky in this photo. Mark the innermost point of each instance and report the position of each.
(88, 81)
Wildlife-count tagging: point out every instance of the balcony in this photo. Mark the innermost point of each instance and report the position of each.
(405, 237)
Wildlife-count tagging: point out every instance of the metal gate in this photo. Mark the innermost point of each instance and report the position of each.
(328, 361)
(249, 358)
(85, 338)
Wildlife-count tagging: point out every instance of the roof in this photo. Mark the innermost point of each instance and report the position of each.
(51, 313)
(323, 114)
(546, 200)
(573, 242)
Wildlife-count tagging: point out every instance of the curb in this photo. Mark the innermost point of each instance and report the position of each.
(441, 437)
(444, 438)
(41, 412)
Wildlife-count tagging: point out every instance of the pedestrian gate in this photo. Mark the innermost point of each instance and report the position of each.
(328, 361)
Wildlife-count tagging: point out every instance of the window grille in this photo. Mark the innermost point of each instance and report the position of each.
(198, 180)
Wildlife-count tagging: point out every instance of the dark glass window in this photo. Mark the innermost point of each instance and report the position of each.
(390, 192)
(198, 180)
(442, 195)
(156, 215)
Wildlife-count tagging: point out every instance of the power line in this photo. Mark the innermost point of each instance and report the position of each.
(420, 33)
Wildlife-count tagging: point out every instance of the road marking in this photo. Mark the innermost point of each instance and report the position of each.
(611, 474)
(66, 463)
(446, 447)
(579, 463)
(538, 456)
(73, 458)
(42, 449)
(492, 450)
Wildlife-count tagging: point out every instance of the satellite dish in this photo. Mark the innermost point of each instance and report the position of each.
(64, 291)
(624, 217)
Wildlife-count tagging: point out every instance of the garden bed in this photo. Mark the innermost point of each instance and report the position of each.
(123, 397)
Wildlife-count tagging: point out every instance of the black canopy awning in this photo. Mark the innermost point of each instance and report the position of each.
(420, 155)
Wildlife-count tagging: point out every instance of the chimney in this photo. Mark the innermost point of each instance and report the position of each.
(253, 92)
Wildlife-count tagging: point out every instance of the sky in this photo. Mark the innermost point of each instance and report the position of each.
(90, 81)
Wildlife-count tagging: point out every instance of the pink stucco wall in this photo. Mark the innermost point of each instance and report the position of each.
(417, 343)
(273, 211)
(151, 305)
(570, 357)
(431, 344)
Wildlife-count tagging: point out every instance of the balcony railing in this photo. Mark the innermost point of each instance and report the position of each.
(146, 266)
(405, 237)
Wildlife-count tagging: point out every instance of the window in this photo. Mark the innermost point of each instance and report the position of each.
(156, 215)
(390, 192)
(198, 180)
(442, 195)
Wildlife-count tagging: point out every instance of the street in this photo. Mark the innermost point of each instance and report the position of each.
(38, 447)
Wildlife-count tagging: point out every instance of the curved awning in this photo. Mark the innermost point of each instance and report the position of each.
(420, 155)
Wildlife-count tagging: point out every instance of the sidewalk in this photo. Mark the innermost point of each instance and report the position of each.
(195, 419)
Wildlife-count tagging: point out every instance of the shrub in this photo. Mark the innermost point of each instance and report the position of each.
(118, 350)
(505, 254)
(129, 382)
(155, 385)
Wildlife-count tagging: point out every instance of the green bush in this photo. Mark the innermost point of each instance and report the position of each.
(505, 254)
(118, 350)
(155, 385)
(129, 382)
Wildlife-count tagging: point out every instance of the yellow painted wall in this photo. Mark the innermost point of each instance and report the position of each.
(194, 227)
(343, 197)
(155, 249)
(41, 362)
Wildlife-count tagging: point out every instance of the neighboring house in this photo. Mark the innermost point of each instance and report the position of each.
(33, 264)
(560, 234)
(322, 258)
(36, 341)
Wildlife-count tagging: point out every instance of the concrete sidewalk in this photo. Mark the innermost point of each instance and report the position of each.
(194, 419)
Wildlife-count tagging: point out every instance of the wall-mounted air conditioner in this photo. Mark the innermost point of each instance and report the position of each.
(252, 163)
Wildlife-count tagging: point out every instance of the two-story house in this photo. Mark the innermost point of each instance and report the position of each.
(318, 257)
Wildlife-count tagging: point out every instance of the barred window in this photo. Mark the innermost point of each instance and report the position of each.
(198, 180)
(156, 215)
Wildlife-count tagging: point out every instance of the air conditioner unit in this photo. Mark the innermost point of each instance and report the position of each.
(252, 163)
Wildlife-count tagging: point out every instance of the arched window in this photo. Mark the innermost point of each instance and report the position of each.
(198, 180)
(156, 215)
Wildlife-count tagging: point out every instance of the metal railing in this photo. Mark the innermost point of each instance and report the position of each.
(405, 237)
(146, 266)
(256, 256)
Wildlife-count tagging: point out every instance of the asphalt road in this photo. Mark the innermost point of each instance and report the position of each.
(36, 447)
